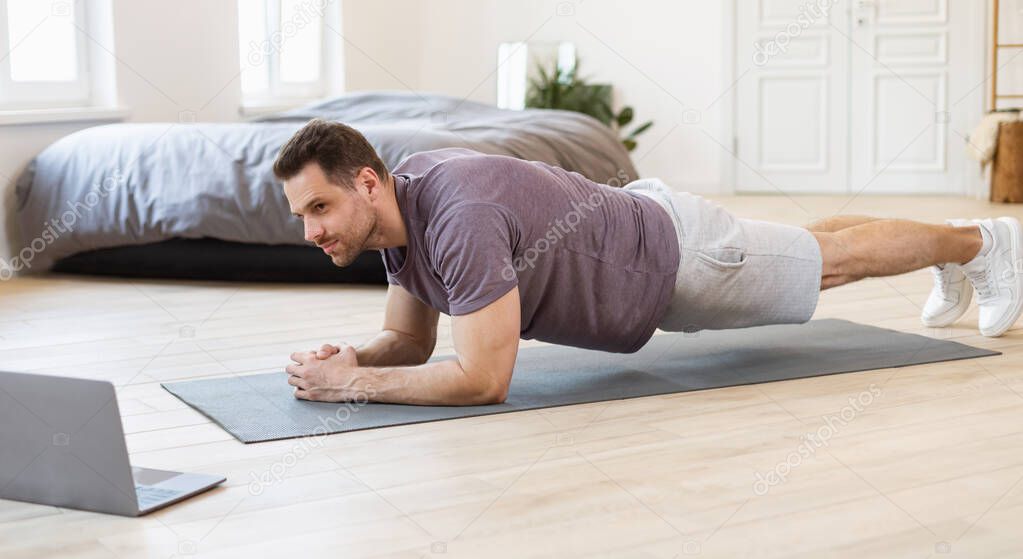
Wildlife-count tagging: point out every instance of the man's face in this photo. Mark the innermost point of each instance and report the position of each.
(337, 219)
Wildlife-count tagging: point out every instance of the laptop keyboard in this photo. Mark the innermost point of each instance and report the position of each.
(150, 496)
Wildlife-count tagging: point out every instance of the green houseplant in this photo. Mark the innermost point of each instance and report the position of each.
(565, 90)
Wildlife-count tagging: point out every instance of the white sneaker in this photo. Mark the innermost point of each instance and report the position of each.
(951, 294)
(996, 276)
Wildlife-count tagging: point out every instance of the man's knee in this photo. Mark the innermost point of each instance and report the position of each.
(835, 259)
(820, 225)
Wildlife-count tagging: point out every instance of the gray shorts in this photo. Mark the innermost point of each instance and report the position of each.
(734, 272)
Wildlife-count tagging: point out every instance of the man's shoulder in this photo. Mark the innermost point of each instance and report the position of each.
(450, 179)
(422, 162)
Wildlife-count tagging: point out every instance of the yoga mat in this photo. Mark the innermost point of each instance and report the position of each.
(256, 408)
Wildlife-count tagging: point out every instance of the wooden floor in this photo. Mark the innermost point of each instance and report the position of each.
(932, 465)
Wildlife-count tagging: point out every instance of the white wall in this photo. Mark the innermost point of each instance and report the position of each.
(663, 57)
(178, 56)
(382, 43)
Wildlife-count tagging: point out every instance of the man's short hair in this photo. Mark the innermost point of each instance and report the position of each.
(340, 150)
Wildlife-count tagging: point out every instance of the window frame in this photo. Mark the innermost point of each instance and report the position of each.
(279, 93)
(15, 95)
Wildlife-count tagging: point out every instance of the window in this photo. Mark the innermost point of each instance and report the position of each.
(519, 64)
(46, 54)
(287, 50)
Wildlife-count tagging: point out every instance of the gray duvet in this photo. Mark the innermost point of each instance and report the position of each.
(129, 184)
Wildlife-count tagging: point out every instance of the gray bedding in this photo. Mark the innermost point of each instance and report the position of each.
(132, 184)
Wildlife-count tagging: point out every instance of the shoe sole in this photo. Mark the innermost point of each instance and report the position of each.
(1011, 318)
(949, 317)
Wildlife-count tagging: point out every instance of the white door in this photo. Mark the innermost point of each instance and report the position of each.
(791, 125)
(917, 91)
(849, 96)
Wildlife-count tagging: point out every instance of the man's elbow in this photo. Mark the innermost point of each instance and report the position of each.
(497, 395)
(426, 351)
(488, 393)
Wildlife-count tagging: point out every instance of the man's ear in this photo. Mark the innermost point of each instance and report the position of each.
(368, 178)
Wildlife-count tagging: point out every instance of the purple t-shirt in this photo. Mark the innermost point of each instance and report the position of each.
(595, 265)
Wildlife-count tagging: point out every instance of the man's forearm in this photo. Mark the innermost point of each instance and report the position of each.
(442, 383)
(390, 348)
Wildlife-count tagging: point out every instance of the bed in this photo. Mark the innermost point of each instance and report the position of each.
(199, 200)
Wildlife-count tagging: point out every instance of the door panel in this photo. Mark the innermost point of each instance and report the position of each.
(905, 134)
(901, 115)
(908, 12)
(792, 128)
(793, 107)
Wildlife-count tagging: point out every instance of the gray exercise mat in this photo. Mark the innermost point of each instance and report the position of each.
(261, 407)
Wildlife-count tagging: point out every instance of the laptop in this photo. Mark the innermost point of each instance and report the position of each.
(62, 444)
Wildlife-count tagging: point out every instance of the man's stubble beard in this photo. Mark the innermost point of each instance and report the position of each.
(355, 249)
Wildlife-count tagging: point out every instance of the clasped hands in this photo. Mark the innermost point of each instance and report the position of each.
(327, 375)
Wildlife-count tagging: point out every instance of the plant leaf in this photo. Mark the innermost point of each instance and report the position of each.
(640, 129)
(543, 75)
(603, 111)
(625, 116)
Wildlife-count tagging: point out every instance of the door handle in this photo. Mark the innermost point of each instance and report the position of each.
(866, 8)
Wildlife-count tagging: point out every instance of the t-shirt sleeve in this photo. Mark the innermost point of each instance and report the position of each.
(391, 280)
(471, 249)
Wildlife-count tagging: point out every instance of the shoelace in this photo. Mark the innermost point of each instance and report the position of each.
(983, 283)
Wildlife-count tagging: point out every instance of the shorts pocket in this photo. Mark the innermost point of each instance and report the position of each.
(723, 257)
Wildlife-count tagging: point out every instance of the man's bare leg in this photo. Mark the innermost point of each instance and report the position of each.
(888, 247)
(838, 222)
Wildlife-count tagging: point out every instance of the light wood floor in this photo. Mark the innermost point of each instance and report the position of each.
(933, 466)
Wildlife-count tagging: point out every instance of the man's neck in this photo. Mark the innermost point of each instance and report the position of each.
(391, 224)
